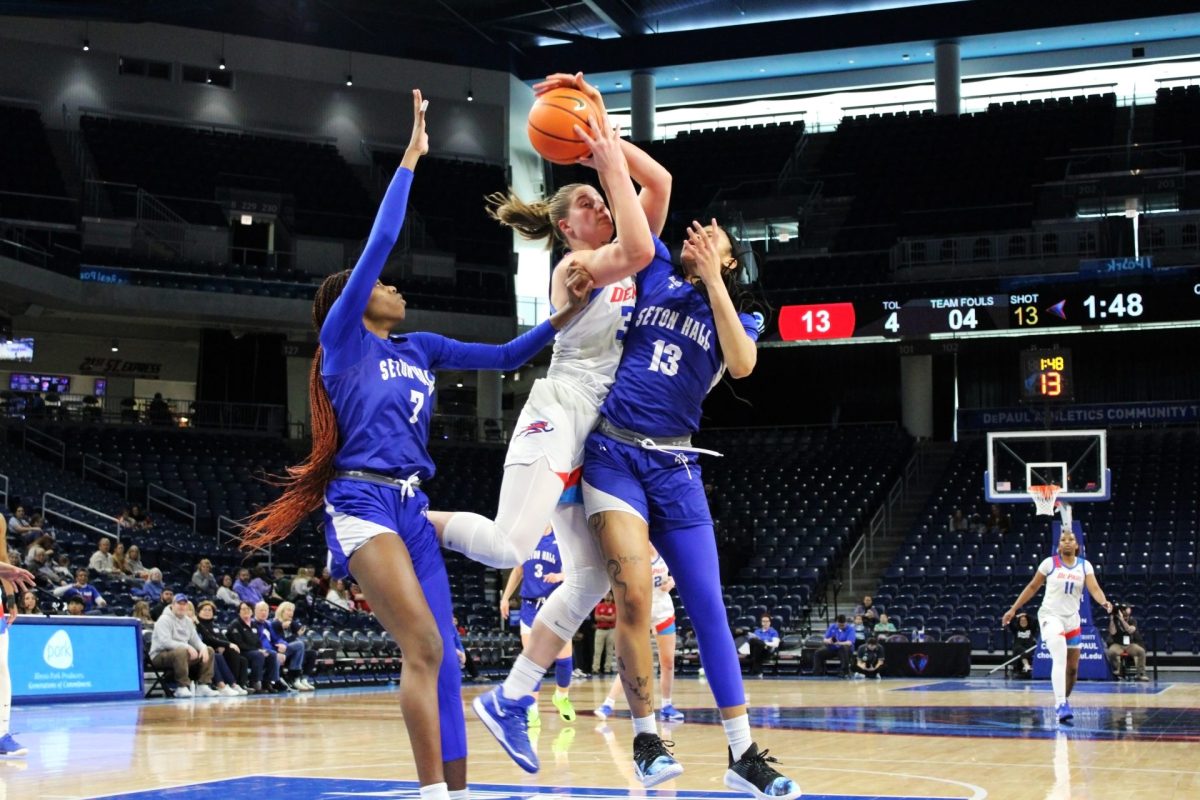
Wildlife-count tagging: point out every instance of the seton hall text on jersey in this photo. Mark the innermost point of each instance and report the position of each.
(549, 556)
(666, 318)
(390, 368)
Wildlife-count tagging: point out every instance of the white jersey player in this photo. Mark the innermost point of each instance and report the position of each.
(1065, 577)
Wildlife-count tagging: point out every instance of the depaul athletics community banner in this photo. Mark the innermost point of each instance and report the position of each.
(1097, 415)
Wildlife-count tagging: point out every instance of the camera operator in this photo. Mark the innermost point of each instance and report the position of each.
(1124, 637)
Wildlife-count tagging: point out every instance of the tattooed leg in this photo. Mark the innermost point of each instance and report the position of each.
(625, 541)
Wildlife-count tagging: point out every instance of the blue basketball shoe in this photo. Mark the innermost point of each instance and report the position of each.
(508, 721)
(1064, 712)
(11, 747)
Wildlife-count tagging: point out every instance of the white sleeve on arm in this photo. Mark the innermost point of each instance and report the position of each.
(1046, 567)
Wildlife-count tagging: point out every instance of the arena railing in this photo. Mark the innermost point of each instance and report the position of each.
(881, 520)
(229, 531)
(56, 448)
(106, 472)
(177, 503)
(198, 414)
(97, 516)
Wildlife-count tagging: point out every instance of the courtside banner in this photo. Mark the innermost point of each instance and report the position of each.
(73, 659)
(1078, 415)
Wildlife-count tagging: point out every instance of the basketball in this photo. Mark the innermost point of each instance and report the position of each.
(552, 122)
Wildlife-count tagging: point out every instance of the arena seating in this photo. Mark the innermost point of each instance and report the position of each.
(27, 167)
(184, 167)
(1143, 544)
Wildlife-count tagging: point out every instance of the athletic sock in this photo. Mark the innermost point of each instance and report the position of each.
(737, 731)
(522, 679)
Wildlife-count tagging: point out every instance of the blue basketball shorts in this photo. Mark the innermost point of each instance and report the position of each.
(356, 512)
(665, 489)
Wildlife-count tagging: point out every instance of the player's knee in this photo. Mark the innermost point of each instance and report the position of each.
(633, 606)
(423, 651)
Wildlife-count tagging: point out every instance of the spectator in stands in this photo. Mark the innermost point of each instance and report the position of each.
(42, 544)
(159, 412)
(838, 642)
(29, 604)
(176, 646)
(869, 612)
(141, 610)
(244, 590)
(224, 676)
(75, 606)
(958, 522)
(165, 598)
(282, 585)
(299, 663)
(272, 643)
(998, 521)
(763, 642)
(141, 520)
(1124, 637)
(263, 664)
(39, 523)
(302, 583)
(62, 566)
(260, 583)
(90, 595)
(118, 560)
(606, 624)
(465, 660)
(20, 525)
(203, 581)
(338, 596)
(226, 594)
(869, 660)
(228, 654)
(134, 567)
(358, 599)
(125, 520)
(101, 560)
(884, 625)
(1025, 641)
(152, 589)
(43, 571)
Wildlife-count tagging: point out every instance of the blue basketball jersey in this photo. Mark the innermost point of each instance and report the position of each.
(672, 358)
(382, 389)
(544, 561)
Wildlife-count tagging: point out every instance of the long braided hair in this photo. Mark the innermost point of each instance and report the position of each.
(304, 486)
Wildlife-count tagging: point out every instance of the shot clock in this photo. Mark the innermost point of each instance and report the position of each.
(1046, 375)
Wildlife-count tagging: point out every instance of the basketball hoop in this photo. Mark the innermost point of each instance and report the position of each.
(1044, 497)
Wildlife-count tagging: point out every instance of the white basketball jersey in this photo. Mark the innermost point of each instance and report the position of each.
(662, 607)
(1064, 585)
(587, 352)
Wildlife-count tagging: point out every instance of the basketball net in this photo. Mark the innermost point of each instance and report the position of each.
(1045, 499)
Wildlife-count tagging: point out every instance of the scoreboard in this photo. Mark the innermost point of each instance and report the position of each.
(1028, 310)
(1046, 375)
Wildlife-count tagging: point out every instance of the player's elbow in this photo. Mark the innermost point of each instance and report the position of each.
(741, 367)
(638, 250)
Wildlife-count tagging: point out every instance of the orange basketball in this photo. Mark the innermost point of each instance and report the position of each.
(552, 122)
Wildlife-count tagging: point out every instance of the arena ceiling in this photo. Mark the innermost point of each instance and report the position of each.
(684, 42)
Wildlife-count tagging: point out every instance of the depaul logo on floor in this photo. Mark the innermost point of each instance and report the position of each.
(1092, 663)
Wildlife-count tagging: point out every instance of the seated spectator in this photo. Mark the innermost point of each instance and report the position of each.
(226, 594)
(134, 567)
(299, 663)
(358, 599)
(838, 642)
(763, 643)
(20, 525)
(141, 610)
(1124, 637)
(44, 545)
(165, 598)
(260, 583)
(141, 520)
(176, 646)
(224, 673)
(301, 584)
(152, 589)
(203, 581)
(125, 520)
(869, 612)
(271, 643)
(338, 596)
(75, 606)
(246, 592)
(43, 571)
(89, 594)
(998, 521)
(884, 625)
(465, 660)
(118, 560)
(281, 585)
(159, 412)
(39, 524)
(860, 630)
(958, 522)
(29, 604)
(101, 560)
(264, 667)
(869, 660)
(324, 582)
(1025, 642)
(62, 566)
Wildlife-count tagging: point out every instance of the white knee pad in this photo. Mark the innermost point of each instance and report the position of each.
(481, 540)
(584, 580)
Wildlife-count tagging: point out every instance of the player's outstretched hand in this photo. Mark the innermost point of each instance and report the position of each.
(1007, 618)
(21, 579)
(701, 242)
(418, 142)
(579, 294)
(604, 142)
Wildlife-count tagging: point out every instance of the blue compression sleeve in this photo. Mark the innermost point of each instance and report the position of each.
(448, 353)
(344, 322)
